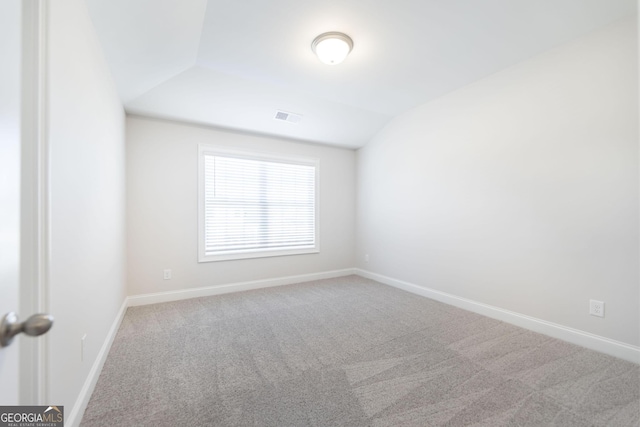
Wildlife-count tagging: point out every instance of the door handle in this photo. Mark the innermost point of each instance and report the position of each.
(35, 325)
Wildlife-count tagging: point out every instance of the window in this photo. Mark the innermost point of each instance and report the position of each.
(254, 205)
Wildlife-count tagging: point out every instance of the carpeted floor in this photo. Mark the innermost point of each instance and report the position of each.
(349, 352)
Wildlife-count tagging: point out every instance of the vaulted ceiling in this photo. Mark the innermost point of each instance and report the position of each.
(233, 63)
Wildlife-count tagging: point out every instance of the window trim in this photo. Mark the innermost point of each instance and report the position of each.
(206, 149)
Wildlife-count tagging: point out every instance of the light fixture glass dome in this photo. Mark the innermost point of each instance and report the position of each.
(332, 48)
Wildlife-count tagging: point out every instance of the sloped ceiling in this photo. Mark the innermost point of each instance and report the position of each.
(233, 63)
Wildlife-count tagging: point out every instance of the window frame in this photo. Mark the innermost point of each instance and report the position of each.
(206, 149)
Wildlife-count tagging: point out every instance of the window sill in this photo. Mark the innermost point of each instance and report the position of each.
(257, 254)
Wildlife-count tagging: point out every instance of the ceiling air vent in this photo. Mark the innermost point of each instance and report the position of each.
(287, 117)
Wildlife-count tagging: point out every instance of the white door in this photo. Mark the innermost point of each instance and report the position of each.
(10, 143)
(23, 191)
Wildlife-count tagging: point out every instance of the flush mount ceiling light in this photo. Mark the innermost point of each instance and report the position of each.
(332, 48)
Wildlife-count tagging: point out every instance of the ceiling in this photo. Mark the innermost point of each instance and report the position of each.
(233, 63)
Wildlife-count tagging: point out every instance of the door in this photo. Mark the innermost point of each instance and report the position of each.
(10, 147)
(23, 201)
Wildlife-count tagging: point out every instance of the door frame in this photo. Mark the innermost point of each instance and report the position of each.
(35, 251)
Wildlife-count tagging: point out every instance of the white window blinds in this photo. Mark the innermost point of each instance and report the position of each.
(257, 207)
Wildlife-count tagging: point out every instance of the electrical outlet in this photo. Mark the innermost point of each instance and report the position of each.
(596, 308)
(366, 258)
(82, 347)
(167, 274)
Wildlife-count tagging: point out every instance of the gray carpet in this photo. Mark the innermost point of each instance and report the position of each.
(349, 352)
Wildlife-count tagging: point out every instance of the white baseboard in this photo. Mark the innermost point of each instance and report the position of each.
(159, 297)
(585, 339)
(595, 342)
(74, 418)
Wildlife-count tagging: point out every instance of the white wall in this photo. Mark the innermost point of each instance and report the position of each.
(520, 190)
(86, 130)
(162, 208)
